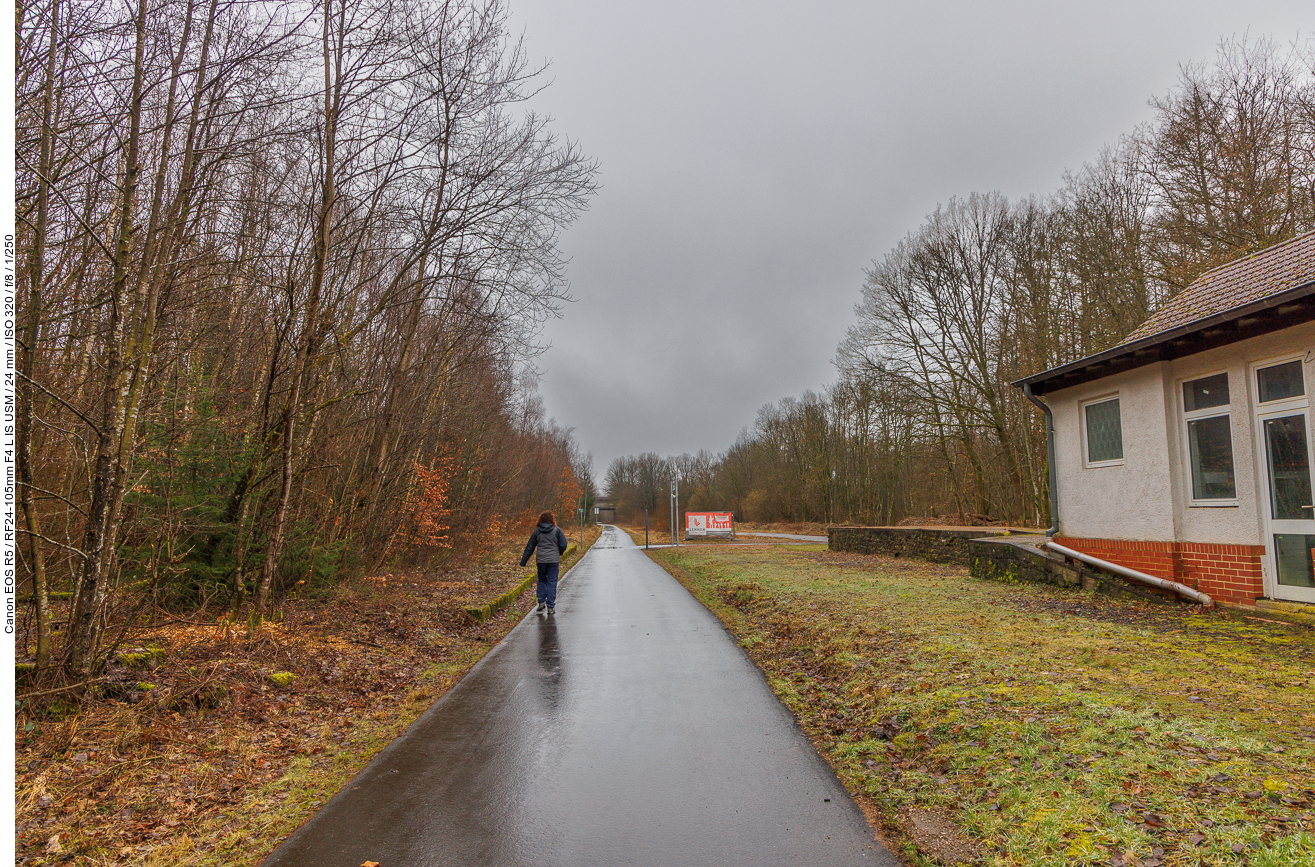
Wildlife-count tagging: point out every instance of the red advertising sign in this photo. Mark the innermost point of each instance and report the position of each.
(709, 524)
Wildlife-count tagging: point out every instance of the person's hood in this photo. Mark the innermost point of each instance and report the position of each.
(545, 526)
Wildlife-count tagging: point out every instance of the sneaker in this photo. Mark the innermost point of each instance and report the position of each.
(542, 605)
(552, 610)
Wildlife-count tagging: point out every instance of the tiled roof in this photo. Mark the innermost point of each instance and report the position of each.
(1269, 272)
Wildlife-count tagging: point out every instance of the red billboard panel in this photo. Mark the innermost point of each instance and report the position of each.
(709, 524)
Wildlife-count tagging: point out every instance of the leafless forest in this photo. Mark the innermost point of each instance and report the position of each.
(282, 268)
(922, 420)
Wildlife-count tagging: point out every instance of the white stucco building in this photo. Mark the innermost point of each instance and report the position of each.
(1186, 451)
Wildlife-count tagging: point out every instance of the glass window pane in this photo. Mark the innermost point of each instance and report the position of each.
(1207, 392)
(1104, 433)
(1212, 458)
(1280, 381)
(1289, 467)
(1292, 554)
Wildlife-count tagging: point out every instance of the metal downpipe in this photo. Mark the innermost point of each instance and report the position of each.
(1181, 589)
(1050, 459)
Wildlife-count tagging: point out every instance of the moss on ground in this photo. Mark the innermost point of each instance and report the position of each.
(1055, 727)
(146, 657)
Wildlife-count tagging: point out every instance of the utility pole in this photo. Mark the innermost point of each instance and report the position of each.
(675, 503)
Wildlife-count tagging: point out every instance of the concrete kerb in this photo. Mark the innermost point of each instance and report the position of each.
(482, 613)
(1296, 613)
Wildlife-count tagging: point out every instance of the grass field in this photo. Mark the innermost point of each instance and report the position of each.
(1027, 725)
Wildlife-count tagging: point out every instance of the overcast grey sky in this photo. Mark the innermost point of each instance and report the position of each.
(757, 156)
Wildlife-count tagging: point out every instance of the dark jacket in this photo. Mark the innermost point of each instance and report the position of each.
(549, 541)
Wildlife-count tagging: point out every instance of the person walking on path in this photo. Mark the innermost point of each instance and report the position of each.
(547, 543)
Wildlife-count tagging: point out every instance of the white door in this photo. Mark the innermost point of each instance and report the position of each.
(1284, 421)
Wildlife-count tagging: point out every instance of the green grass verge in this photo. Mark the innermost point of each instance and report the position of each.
(1055, 727)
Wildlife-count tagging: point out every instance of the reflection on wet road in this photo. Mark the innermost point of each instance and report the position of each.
(628, 729)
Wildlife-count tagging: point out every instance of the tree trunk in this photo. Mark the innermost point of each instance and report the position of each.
(29, 343)
(97, 546)
(305, 346)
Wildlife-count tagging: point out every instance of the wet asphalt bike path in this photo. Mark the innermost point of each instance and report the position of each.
(628, 729)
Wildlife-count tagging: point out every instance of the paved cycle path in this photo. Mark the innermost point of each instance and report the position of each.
(628, 729)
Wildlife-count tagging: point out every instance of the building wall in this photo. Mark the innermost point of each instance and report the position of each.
(1242, 523)
(1228, 573)
(1133, 500)
(1118, 512)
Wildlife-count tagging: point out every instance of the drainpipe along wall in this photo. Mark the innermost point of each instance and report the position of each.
(1181, 589)
(1050, 459)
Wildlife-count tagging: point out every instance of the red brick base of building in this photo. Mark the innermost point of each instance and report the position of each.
(1228, 573)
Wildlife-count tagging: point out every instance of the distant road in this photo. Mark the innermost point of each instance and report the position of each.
(628, 729)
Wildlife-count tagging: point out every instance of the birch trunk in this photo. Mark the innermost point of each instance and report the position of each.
(306, 345)
(97, 547)
(29, 344)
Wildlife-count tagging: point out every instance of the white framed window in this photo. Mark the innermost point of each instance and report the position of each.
(1279, 382)
(1207, 425)
(1102, 432)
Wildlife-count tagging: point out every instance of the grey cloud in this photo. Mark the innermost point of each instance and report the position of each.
(757, 156)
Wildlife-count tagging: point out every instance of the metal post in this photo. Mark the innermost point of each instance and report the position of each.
(646, 529)
(671, 505)
(831, 491)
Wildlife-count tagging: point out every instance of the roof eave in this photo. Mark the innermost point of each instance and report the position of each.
(1162, 346)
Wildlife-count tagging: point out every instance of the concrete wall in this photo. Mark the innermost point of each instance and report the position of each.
(1148, 497)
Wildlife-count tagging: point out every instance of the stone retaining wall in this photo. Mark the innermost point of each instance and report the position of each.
(1009, 563)
(987, 555)
(938, 546)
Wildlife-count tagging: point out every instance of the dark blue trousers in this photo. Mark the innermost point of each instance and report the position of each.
(546, 590)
